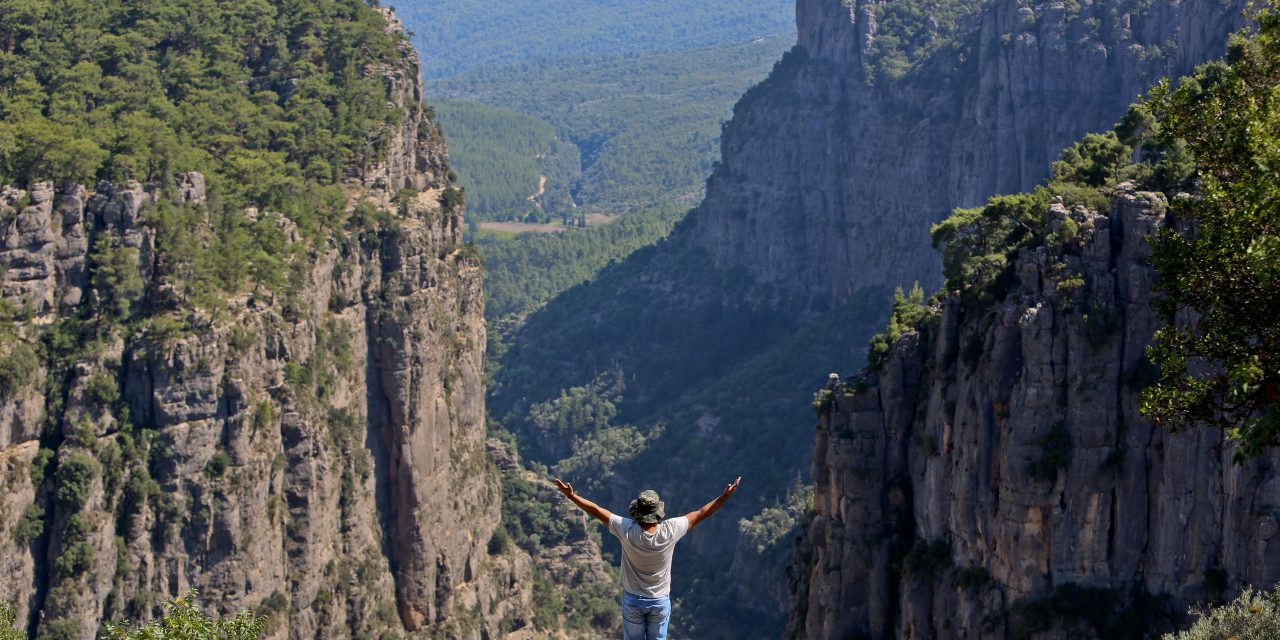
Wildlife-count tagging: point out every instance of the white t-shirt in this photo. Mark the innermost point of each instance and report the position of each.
(646, 557)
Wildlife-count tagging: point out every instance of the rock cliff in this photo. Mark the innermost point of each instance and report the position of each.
(996, 480)
(834, 167)
(315, 452)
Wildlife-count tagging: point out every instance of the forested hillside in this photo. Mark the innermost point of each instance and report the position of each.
(459, 35)
(646, 128)
(511, 164)
(524, 272)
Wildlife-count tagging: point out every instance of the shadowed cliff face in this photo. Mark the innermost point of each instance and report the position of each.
(316, 455)
(832, 171)
(997, 473)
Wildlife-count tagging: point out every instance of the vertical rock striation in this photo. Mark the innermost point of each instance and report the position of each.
(997, 469)
(316, 454)
(832, 169)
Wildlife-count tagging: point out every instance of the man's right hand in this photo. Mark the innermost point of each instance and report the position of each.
(564, 487)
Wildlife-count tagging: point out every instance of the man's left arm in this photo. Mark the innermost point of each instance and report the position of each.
(594, 510)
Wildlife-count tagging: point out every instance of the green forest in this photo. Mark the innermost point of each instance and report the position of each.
(646, 127)
(272, 101)
(525, 30)
(266, 98)
(525, 272)
(503, 158)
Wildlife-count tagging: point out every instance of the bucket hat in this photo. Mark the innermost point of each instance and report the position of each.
(647, 508)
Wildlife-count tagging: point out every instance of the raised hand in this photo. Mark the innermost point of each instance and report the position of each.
(732, 486)
(564, 487)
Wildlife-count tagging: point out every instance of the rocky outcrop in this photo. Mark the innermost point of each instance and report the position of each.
(996, 473)
(832, 172)
(313, 451)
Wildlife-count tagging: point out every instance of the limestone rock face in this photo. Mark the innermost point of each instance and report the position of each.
(1009, 440)
(831, 175)
(315, 453)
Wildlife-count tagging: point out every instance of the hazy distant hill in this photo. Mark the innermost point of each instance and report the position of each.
(457, 35)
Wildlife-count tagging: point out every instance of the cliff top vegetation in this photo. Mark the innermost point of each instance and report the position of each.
(1213, 136)
(270, 100)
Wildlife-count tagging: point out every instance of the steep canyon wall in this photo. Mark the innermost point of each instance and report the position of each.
(995, 478)
(833, 168)
(316, 454)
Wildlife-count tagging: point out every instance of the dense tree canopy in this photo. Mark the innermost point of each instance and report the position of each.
(1220, 269)
(274, 102)
(272, 96)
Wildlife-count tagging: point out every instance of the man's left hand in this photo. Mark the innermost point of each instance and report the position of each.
(564, 487)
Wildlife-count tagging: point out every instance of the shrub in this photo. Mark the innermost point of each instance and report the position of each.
(926, 560)
(116, 277)
(971, 577)
(40, 466)
(1102, 322)
(102, 388)
(452, 199)
(183, 621)
(977, 244)
(76, 560)
(17, 367)
(1055, 454)
(31, 525)
(218, 464)
(8, 622)
(972, 351)
(263, 415)
(1095, 161)
(1255, 615)
(500, 541)
(74, 479)
(909, 310)
(63, 629)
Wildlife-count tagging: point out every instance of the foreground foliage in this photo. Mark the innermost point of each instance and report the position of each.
(181, 621)
(1255, 615)
(8, 622)
(1222, 266)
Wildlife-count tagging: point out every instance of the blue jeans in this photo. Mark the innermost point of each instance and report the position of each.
(645, 618)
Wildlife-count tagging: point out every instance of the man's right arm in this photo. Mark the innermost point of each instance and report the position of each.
(705, 512)
(594, 510)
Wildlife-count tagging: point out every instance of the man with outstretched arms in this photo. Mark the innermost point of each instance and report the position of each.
(648, 544)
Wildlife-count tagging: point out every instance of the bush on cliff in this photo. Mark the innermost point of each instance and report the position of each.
(1255, 615)
(7, 621)
(909, 310)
